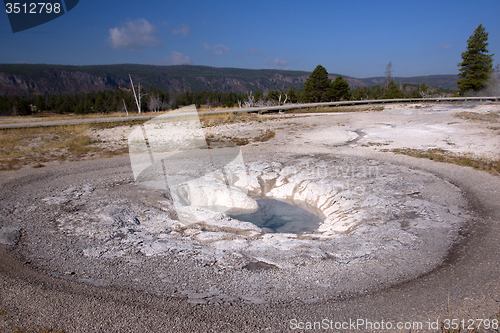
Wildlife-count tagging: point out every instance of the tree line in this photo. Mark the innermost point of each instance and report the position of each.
(117, 99)
(122, 100)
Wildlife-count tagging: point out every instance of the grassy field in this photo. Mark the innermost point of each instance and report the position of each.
(35, 146)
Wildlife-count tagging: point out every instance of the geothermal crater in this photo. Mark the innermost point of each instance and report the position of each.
(355, 225)
(369, 224)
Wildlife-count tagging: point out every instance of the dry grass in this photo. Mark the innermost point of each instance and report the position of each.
(219, 108)
(266, 135)
(47, 116)
(474, 116)
(112, 124)
(377, 144)
(342, 108)
(36, 146)
(208, 120)
(226, 141)
(441, 155)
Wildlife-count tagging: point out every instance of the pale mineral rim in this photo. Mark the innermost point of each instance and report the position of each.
(381, 219)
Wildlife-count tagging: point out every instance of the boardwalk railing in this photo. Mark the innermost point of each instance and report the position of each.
(372, 101)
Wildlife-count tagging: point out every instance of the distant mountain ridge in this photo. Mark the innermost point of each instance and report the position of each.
(29, 79)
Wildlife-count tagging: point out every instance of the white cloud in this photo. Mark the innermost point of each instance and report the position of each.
(279, 63)
(445, 46)
(182, 30)
(133, 35)
(255, 51)
(220, 49)
(177, 58)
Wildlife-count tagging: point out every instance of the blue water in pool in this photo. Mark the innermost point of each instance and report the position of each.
(278, 216)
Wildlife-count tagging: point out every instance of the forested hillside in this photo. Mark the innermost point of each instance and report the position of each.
(25, 79)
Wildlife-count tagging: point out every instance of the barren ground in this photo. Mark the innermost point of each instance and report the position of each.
(85, 249)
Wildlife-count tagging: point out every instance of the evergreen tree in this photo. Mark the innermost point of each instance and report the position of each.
(5, 105)
(317, 86)
(423, 88)
(361, 93)
(339, 90)
(476, 67)
(40, 103)
(292, 96)
(393, 91)
(258, 95)
(273, 95)
(99, 105)
(21, 106)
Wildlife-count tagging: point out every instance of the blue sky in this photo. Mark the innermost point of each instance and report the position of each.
(355, 38)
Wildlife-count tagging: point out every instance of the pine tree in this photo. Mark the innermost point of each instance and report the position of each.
(361, 93)
(339, 90)
(423, 88)
(292, 96)
(393, 91)
(317, 86)
(476, 67)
